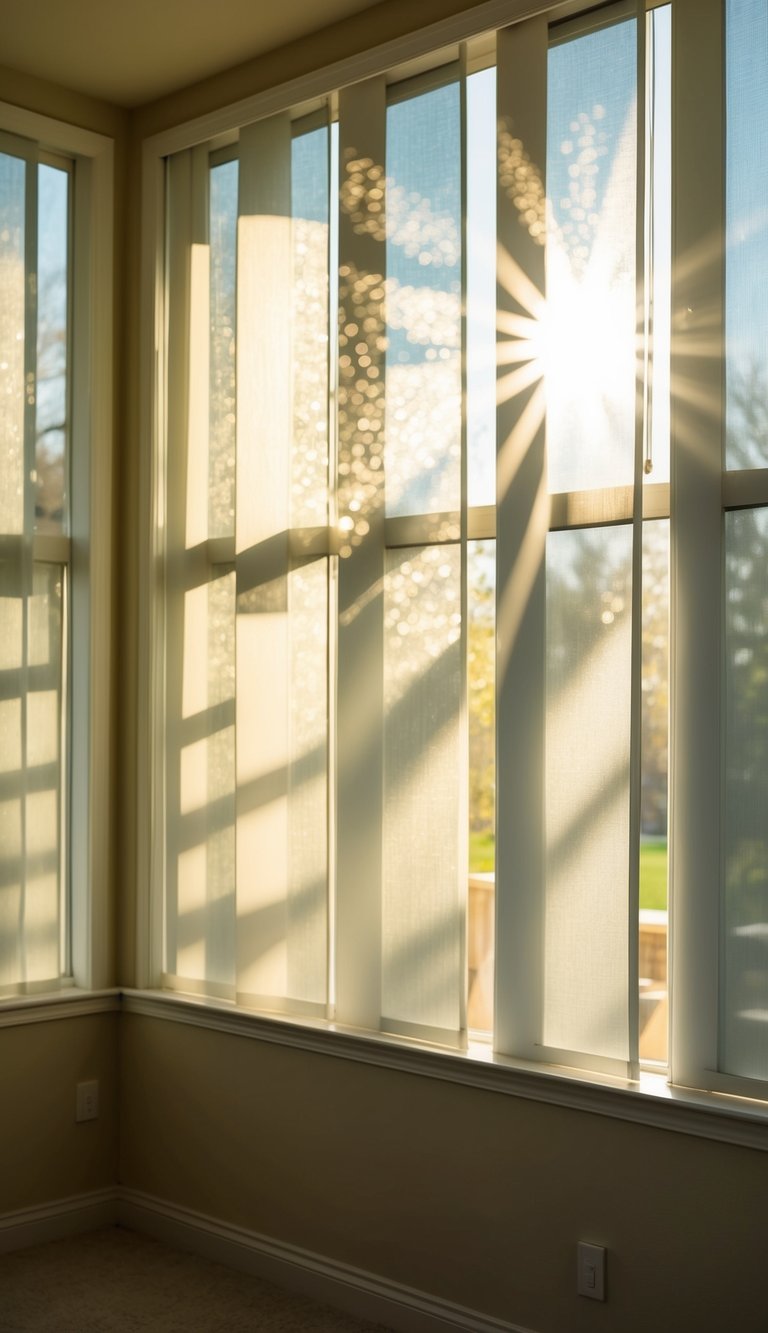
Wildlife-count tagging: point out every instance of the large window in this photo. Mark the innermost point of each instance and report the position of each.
(435, 563)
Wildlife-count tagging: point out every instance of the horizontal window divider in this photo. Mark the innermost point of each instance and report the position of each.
(221, 550)
(650, 1101)
(422, 529)
(50, 548)
(745, 489)
(601, 508)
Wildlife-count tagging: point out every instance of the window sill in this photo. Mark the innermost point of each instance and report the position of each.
(651, 1101)
(45, 1006)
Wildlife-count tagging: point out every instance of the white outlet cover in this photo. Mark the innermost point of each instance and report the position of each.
(87, 1101)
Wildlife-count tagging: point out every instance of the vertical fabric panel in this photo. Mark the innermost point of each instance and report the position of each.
(744, 998)
(200, 604)
(521, 527)
(422, 909)
(591, 296)
(423, 203)
(282, 607)
(262, 521)
(360, 518)
(589, 629)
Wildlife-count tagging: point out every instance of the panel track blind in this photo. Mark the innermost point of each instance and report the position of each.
(569, 426)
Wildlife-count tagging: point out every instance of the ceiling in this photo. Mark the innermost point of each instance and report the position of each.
(133, 51)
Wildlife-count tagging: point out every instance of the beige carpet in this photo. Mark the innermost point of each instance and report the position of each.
(117, 1281)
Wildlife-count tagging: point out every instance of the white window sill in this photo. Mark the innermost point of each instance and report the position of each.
(651, 1101)
(65, 1002)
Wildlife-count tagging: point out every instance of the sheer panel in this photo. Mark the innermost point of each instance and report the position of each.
(282, 609)
(586, 920)
(590, 322)
(424, 887)
(744, 992)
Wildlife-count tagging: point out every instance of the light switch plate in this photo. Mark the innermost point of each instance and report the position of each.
(590, 1270)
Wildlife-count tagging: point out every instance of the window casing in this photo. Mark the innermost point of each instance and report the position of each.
(332, 905)
(56, 523)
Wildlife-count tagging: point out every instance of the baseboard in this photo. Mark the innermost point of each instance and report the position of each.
(59, 1218)
(360, 1293)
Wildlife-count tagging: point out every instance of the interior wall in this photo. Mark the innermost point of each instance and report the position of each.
(474, 1196)
(44, 1154)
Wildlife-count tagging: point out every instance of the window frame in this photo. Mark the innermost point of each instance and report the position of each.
(87, 549)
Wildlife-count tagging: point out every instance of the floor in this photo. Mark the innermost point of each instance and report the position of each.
(116, 1281)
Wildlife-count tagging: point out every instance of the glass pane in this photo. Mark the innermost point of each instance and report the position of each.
(51, 401)
(223, 314)
(12, 283)
(481, 288)
(659, 260)
(309, 210)
(422, 929)
(32, 916)
(587, 790)
(423, 421)
(481, 695)
(745, 903)
(654, 787)
(746, 214)
(591, 295)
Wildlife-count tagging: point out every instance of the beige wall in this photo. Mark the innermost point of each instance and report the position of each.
(44, 1154)
(473, 1196)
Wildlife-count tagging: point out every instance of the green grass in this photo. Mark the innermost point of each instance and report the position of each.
(653, 873)
(653, 866)
(482, 852)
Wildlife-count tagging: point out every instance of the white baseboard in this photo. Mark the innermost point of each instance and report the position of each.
(358, 1292)
(55, 1220)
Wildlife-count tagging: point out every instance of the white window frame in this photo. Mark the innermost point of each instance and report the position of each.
(698, 493)
(89, 668)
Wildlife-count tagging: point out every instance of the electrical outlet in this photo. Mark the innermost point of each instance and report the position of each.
(87, 1104)
(590, 1270)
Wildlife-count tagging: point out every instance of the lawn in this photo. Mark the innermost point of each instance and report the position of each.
(653, 866)
(653, 873)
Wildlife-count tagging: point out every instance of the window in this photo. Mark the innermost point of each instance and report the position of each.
(427, 398)
(50, 205)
